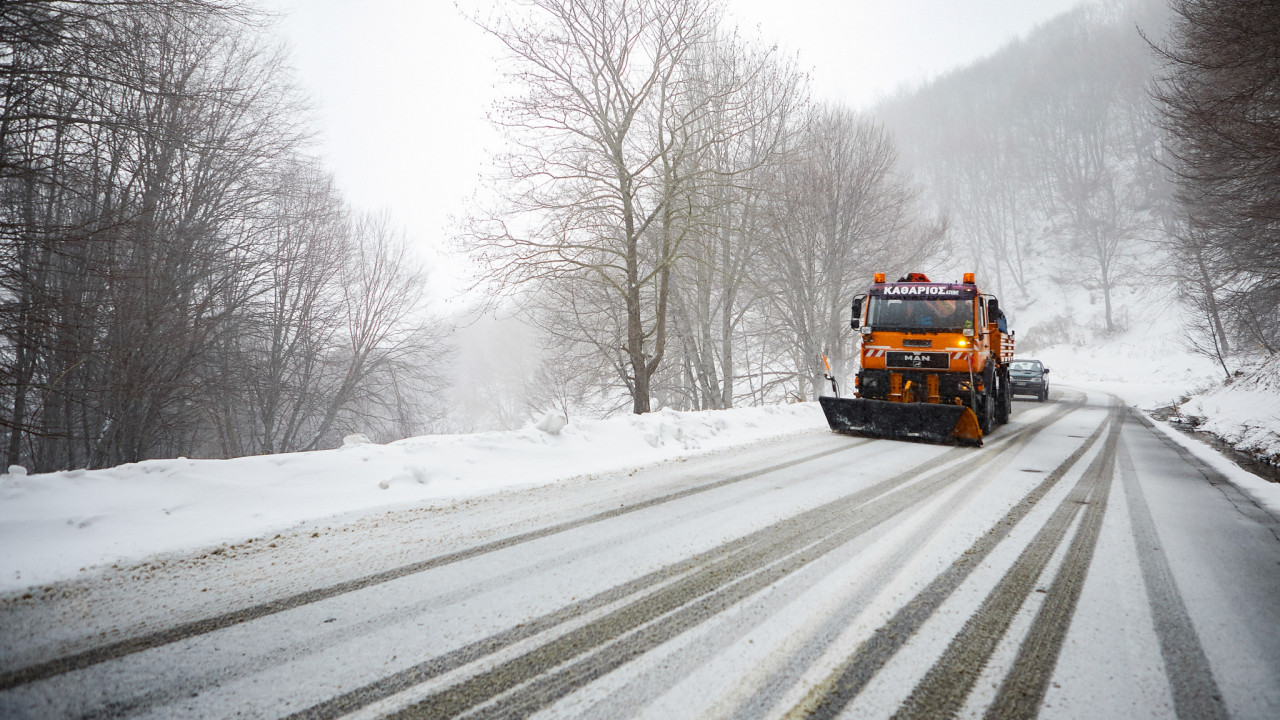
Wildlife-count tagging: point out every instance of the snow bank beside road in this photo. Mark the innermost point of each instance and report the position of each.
(56, 524)
(1245, 414)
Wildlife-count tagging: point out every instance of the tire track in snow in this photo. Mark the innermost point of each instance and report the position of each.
(830, 697)
(1023, 689)
(945, 686)
(725, 563)
(699, 605)
(626, 633)
(764, 684)
(113, 651)
(1195, 692)
(768, 689)
(181, 686)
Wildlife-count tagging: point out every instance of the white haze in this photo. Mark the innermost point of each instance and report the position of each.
(401, 88)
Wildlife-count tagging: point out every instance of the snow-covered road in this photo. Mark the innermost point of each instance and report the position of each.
(1080, 565)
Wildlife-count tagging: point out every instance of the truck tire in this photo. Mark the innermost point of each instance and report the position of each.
(1004, 400)
(985, 416)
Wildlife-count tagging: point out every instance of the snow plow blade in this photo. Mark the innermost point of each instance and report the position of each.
(925, 422)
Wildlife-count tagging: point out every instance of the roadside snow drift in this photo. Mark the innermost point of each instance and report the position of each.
(56, 524)
(1246, 413)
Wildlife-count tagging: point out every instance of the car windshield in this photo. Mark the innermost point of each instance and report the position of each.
(1025, 365)
(920, 313)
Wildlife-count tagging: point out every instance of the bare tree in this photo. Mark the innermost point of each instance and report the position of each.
(337, 338)
(386, 337)
(269, 373)
(1087, 155)
(603, 156)
(1221, 114)
(185, 267)
(842, 212)
(149, 251)
(583, 331)
(714, 288)
(979, 175)
(165, 115)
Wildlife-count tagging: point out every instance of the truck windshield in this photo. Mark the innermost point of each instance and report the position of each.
(919, 313)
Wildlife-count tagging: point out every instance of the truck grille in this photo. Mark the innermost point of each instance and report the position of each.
(933, 360)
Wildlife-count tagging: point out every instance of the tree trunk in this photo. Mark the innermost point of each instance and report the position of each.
(726, 349)
(1211, 304)
(635, 345)
(23, 377)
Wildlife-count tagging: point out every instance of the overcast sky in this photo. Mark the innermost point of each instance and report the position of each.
(401, 87)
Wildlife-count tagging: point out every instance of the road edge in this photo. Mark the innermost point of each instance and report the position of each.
(1262, 492)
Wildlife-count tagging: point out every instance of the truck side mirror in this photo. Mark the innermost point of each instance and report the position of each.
(993, 308)
(855, 321)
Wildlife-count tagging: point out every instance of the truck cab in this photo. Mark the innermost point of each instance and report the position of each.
(934, 363)
(932, 342)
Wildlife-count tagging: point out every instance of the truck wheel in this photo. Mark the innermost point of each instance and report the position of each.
(1004, 402)
(988, 410)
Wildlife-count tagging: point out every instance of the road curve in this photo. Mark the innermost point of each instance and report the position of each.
(1079, 565)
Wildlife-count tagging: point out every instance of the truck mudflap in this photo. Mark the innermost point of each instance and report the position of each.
(925, 422)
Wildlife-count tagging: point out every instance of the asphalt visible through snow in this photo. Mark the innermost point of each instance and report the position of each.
(1078, 565)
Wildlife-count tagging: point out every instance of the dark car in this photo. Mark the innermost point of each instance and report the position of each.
(1028, 377)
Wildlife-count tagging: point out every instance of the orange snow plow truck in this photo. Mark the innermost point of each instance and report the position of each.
(935, 363)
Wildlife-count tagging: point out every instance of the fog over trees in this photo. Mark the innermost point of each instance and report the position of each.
(674, 221)
(177, 277)
(1119, 147)
(1045, 157)
(1219, 90)
(682, 222)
